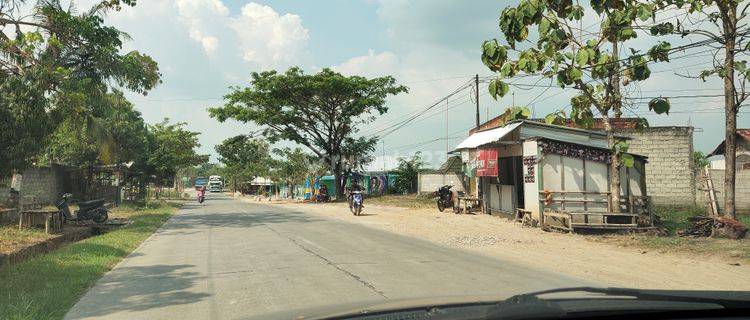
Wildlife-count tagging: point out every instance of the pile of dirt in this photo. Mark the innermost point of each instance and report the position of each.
(719, 227)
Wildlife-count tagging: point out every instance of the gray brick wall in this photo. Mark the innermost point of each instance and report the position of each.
(670, 173)
(741, 189)
(44, 184)
(430, 182)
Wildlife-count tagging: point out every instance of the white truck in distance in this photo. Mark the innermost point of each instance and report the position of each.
(215, 184)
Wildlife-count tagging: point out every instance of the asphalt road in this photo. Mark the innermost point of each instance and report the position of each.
(226, 259)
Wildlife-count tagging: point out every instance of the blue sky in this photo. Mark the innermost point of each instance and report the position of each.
(205, 46)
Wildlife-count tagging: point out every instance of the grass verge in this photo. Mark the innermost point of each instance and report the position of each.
(411, 201)
(47, 286)
(674, 219)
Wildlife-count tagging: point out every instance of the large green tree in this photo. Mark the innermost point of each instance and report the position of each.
(722, 25)
(113, 132)
(322, 112)
(171, 148)
(54, 60)
(244, 159)
(589, 62)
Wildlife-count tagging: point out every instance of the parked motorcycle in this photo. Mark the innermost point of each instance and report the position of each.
(357, 202)
(445, 198)
(87, 210)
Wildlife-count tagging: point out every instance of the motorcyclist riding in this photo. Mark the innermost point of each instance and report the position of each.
(201, 193)
(353, 187)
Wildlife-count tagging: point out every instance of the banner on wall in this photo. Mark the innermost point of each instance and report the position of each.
(487, 163)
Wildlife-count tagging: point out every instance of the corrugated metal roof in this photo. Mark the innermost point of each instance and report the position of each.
(743, 134)
(489, 136)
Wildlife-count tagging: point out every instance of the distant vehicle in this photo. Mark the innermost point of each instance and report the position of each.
(215, 184)
(200, 182)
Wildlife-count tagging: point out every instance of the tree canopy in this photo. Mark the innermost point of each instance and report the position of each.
(56, 61)
(244, 158)
(322, 112)
(293, 165)
(589, 62)
(722, 25)
(172, 147)
(407, 173)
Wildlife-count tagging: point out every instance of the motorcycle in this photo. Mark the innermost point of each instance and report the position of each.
(87, 210)
(357, 201)
(201, 198)
(445, 198)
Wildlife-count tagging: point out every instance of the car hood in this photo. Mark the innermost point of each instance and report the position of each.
(528, 303)
(371, 306)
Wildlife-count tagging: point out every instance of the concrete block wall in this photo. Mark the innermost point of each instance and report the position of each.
(741, 189)
(44, 184)
(670, 172)
(430, 182)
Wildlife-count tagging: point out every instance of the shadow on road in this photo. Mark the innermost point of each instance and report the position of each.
(155, 286)
(225, 212)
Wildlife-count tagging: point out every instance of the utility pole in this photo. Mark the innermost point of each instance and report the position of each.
(446, 135)
(382, 144)
(476, 96)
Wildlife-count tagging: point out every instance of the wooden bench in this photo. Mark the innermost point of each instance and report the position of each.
(50, 219)
(569, 221)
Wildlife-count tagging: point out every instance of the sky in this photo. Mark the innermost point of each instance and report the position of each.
(205, 47)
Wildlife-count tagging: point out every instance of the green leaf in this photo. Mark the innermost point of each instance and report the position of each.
(498, 88)
(620, 147)
(662, 29)
(740, 66)
(544, 26)
(507, 70)
(659, 105)
(644, 11)
(575, 74)
(490, 48)
(503, 88)
(525, 112)
(627, 160)
(569, 55)
(582, 57)
(522, 63)
(493, 88)
(641, 123)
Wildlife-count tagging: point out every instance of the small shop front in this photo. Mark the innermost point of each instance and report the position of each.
(549, 171)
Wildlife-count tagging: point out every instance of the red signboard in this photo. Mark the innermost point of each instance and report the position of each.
(487, 163)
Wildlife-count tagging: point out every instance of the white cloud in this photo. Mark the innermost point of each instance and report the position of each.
(202, 17)
(267, 38)
(372, 64)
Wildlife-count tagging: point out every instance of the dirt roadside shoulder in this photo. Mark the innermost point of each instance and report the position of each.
(573, 255)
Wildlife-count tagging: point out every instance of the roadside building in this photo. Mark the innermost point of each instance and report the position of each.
(558, 175)
(450, 173)
(742, 172)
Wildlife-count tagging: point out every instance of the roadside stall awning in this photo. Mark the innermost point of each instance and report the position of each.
(485, 137)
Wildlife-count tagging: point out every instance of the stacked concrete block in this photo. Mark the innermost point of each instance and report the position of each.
(670, 172)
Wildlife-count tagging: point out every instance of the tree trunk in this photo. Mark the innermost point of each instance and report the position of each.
(337, 185)
(615, 83)
(730, 138)
(614, 167)
(616, 102)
